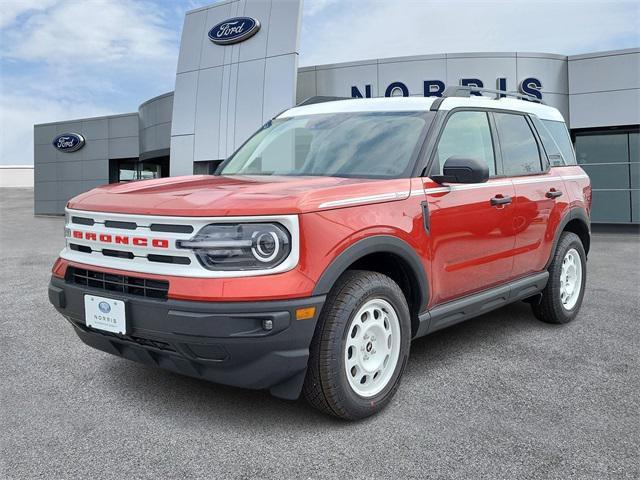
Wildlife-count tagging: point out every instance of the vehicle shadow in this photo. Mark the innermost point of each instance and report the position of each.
(475, 333)
(195, 400)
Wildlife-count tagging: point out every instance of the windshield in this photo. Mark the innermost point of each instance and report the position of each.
(362, 144)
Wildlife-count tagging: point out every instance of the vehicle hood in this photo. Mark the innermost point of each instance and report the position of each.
(207, 195)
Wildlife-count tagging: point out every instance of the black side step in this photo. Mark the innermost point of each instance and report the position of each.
(456, 311)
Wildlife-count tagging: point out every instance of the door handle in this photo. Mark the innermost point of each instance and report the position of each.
(500, 200)
(553, 193)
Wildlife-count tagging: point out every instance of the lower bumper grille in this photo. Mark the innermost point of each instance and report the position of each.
(145, 342)
(126, 284)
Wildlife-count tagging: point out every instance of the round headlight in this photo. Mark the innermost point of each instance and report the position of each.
(266, 246)
(241, 246)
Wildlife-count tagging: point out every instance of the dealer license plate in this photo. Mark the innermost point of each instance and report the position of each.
(105, 314)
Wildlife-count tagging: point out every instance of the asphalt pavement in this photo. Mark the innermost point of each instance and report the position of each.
(501, 396)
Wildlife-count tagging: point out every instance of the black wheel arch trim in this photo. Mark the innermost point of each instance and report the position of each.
(367, 246)
(576, 213)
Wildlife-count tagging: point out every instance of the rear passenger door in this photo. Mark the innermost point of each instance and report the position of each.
(470, 225)
(539, 196)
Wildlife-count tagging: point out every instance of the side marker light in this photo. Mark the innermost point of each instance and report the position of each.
(305, 313)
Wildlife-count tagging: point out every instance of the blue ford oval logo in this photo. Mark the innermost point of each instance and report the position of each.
(104, 307)
(234, 30)
(68, 142)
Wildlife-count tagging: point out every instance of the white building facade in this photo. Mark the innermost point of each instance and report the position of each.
(238, 67)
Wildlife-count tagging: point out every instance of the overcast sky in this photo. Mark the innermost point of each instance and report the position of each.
(65, 59)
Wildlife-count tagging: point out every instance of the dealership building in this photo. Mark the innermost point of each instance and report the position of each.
(238, 68)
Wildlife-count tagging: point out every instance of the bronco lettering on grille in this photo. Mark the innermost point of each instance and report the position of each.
(121, 239)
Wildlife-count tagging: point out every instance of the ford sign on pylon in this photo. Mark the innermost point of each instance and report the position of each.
(234, 30)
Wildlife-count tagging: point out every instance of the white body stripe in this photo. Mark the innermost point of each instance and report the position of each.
(367, 199)
(515, 181)
(575, 177)
(472, 186)
(445, 189)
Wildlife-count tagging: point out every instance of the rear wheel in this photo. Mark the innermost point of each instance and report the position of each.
(562, 297)
(360, 347)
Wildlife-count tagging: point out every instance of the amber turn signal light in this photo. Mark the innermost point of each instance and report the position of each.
(59, 268)
(305, 313)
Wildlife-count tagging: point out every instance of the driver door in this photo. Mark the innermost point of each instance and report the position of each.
(471, 225)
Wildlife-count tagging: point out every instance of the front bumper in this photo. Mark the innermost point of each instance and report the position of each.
(223, 342)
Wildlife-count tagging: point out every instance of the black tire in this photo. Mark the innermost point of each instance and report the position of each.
(551, 309)
(326, 386)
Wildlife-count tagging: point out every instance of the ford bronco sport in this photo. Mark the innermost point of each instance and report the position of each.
(334, 236)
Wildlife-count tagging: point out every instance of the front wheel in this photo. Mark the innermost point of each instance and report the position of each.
(562, 297)
(360, 347)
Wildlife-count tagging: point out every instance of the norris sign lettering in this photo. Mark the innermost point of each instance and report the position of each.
(435, 88)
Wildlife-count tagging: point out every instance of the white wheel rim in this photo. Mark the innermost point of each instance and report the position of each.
(570, 279)
(372, 347)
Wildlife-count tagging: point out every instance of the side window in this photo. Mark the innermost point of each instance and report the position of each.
(520, 154)
(550, 146)
(560, 134)
(466, 134)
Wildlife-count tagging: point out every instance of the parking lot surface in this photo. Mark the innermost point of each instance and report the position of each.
(500, 396)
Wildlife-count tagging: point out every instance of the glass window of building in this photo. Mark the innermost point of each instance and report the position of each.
(611, 161)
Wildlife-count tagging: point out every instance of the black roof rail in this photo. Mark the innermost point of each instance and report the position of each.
(467, 91)
(320, 99)
(313, 100)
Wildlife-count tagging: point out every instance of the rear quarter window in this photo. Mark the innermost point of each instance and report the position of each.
(555, 136)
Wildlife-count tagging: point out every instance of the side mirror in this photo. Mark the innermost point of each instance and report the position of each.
(462, 170)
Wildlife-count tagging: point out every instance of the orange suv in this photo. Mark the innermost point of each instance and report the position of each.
(334, 236)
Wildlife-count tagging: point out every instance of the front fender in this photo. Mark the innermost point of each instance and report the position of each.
(376, 244)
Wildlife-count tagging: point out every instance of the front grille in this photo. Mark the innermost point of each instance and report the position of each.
(159, 227)
(126, 284)
(80, 248)
(147, 242)
(82, 220)
(169, 259)
(108, 252)
(124, 225)
(117, 253)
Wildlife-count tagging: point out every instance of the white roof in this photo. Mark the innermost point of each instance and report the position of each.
(412, 104)
(384, 104)
(544, 112)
